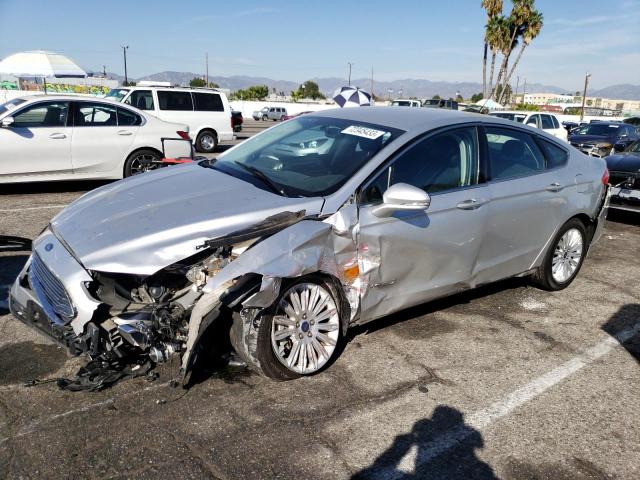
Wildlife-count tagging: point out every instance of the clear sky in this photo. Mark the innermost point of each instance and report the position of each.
(297, 40)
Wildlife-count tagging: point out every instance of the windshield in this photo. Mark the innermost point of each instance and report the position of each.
(11, 104)
(307, 156)
(514, 117)
(117, 94)
(601, 129)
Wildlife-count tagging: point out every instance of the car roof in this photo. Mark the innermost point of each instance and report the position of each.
(417, 119)
(69, 97)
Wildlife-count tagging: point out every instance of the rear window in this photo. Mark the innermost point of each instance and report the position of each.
(207, 102)
(555, 156)
(180, 101)
(128, 118)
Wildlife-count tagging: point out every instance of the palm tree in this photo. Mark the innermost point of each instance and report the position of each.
(494, 9)
(531, 31)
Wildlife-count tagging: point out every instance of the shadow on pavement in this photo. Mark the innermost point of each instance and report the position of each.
(624, 326)
(10, 266)
(444, 448)
(52, 187)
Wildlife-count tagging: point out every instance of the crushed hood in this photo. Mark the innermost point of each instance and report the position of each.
(590, 139)
(144, 223)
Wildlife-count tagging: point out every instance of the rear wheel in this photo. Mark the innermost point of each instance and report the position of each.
(564, 258)
(141, 161)
(264, 118)
(298, 336)
(206, 141)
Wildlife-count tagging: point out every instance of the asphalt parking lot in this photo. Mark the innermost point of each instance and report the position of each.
(503, 382)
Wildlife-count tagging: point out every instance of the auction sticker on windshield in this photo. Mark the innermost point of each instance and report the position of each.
(370, 133)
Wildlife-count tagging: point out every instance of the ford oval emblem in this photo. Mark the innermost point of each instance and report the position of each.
(48, 247)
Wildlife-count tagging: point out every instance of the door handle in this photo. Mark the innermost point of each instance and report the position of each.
(57, 136)
(554, 187)
(125, 133)
(470, 204)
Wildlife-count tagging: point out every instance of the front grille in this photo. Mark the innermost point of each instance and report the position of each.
(50, 291)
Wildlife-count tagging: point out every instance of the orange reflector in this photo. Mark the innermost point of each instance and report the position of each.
(351, 272)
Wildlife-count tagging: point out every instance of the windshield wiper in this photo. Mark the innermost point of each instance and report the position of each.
(256, 172)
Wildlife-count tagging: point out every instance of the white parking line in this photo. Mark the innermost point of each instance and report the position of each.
(482, 419)
(22, 209)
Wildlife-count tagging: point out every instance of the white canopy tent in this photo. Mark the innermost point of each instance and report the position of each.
(40, 63)
(489, 104)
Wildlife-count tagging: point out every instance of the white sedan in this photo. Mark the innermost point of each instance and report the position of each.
(55, 137)
(543, 120)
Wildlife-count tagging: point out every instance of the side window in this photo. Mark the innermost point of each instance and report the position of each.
(372, 194)
(512, 154)
(180, 101)
(128, 118)
(556, 123)
(207, 102)
(141, 99)
(547, 124)
(556, 156)
(52, 114)
(95, 115)
(533, 120)
(442, 162)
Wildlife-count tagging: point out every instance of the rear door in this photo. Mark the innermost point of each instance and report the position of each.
(102, 136)
(38, 142)
(527, 202)
(411, 257)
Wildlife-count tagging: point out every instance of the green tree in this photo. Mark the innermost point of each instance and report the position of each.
(308, 89)
(459, 98)
(494, 11)
(197, 82)
(255, 92)
(476, 97)
(506, 94)
(436, 97)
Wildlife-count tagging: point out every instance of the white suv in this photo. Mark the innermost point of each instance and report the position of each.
(542, 120)
(205, 110)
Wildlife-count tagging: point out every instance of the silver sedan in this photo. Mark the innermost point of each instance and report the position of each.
(387, 208)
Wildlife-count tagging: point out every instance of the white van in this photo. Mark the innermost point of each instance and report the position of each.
(205, 110)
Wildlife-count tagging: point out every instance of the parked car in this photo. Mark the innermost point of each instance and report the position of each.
(270, 113)
(624, 171)
(600, 139)
(440, 103)
(406, 103)
(545, 121)
(571, 126)
(51, 137)
(294, 115)
(288, 251)
(205, 110)
(236, 120)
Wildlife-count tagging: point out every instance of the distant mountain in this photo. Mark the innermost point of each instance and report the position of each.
(623, 91)
(408, 87)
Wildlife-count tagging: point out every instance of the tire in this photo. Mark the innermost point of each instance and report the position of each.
(206, 141)
(264, 118)
(565, 256)
(284, 345)
(134, 164)
(282, 118)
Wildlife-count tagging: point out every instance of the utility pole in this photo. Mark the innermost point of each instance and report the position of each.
(584, 95)
(371, 82)
(515, 97)
(104, 71)
(350, 65)
(206, 67)
(124, 53)
(524, 89)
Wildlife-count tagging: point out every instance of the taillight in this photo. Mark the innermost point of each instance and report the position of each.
(605, 176)
(183, 135)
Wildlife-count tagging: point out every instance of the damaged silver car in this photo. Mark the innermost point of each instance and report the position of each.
(386, 209)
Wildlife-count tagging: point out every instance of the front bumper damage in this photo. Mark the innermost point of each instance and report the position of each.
(287, 245)
(625, 195)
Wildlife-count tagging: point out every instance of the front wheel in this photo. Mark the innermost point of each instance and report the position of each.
(564, 258)
(299, 335)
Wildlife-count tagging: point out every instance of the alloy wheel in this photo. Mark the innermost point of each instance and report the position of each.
(144, 163)
(305, 328)
(567, 255)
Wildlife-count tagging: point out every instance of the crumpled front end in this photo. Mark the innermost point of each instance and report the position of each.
(117, 316)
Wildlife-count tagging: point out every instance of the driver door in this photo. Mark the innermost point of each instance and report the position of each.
(412, 257)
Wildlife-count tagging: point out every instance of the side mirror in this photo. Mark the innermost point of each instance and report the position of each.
(7, 122)
(619, 147)
(402, 197)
